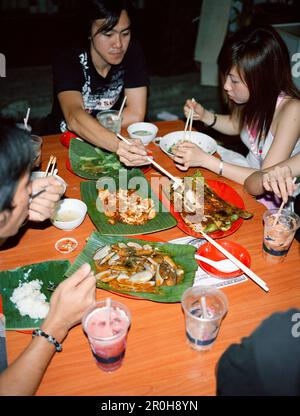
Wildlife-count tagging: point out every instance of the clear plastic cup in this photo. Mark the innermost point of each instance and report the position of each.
(107, 330)
(204, 309)
(278, 238)
(110, 120)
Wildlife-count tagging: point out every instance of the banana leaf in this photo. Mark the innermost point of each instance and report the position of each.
(89, 195)
(48, 272)
(182, 255)
(90, 162)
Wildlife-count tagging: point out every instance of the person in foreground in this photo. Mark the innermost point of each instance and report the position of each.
(72, 296)
(267, 363)
(90, 79)
(264, 107)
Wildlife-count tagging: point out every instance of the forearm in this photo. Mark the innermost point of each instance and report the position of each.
(89, 129)
(235, 173)
(130, 117)
(224, 124)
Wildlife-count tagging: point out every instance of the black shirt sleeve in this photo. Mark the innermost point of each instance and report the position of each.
(67, 73)
(136, 74)
(265, 363)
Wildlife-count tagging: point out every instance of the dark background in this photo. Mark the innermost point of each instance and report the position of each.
(167, 30)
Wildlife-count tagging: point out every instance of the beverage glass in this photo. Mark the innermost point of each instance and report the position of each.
(204, 309)
(110, 120)
(36, 144)
(107, 328)
(278, 237)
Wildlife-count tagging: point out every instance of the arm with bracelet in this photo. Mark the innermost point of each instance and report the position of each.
(68, 303)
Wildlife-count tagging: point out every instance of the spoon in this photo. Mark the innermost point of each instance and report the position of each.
(225, 265)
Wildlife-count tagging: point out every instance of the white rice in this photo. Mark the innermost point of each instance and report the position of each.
(29, 300)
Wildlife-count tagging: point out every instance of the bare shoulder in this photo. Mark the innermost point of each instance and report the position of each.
(290, 109)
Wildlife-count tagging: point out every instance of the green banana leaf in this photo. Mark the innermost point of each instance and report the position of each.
(48, 272)
(90, 162)
(89, 195)
(181, 254)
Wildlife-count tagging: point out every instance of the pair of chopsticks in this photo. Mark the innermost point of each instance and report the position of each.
(237, 262)
(177, 181)
(50, 171)
(189, 123)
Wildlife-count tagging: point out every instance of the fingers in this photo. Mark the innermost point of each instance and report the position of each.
(280, 181)
(79, 276)
(133, 155)
(53, 185)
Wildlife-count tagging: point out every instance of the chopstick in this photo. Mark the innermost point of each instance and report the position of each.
(176, 181)
(51, 165)
(240, 265)
(36, 195)
(187, 123)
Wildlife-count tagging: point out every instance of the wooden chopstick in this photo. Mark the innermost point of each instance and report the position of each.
(176, 181)
(49, 164)
(53, 167)
(237, 262)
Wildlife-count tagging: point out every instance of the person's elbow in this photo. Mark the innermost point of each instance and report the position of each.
(72, 122)
(253, 184)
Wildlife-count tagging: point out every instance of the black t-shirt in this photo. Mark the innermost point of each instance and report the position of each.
(267, 363)
(75, 71)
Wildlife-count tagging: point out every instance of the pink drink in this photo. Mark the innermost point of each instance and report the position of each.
(107, 332)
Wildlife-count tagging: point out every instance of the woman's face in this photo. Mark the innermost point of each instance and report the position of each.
(236, 88)
(111, 46)
(11, 221)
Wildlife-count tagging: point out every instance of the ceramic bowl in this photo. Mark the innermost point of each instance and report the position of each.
(145, 132)
(69, 214)
(205, 142)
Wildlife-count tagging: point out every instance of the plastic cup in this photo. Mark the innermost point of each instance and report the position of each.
(278, 238)
(36, 144)
(110, 120)
(107, 336)
(204, 309)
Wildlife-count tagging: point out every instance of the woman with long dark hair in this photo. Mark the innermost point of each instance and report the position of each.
(264, 106)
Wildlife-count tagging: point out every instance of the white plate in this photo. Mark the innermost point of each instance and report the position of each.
(205, 142)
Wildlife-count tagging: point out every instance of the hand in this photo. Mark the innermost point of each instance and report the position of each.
(280, 181)
(133, 154)
(198, 109)
(188, 155)
(43, 206)
(69, 302)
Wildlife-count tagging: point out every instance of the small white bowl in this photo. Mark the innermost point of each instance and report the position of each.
(40, 174)
(145, 132)
(69, 214)
(205, 142)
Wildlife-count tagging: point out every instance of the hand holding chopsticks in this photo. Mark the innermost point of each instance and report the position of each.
(237, 262)
(177, 181)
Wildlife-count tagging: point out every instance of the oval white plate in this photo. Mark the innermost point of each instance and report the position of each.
(205, 142)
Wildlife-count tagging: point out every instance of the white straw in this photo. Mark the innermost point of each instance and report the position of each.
(108, 306)
(204, 308)
(238, 263)
(122, 106)
(26, 119)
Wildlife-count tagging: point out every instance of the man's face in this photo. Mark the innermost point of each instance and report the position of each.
(111, 46)
(11, 221)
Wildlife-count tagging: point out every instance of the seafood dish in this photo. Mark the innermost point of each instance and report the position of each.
(136, 268)
(204, 211)
(126, 206)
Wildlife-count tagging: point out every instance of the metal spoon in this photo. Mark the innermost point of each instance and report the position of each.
(225, 265)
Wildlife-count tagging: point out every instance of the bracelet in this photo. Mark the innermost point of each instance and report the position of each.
(214, 122)
(49, 338)
(221, 168)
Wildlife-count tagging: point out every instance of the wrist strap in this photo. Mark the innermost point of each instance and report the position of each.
(39, 333)
(214, 121)
(221, 168)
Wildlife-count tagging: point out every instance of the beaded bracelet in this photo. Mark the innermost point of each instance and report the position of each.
(214, 122)
(49, 338)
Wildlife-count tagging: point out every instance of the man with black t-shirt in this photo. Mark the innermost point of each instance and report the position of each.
(97, 78)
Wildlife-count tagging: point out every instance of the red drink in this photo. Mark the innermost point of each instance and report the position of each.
(107, 330)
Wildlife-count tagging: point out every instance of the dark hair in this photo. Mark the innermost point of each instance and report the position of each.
(110, 10)
(15, 160)
(262, 61)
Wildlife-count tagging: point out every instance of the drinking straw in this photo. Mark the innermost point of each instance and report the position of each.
(204, 307)
(26, 119)
(108, 307)
(122, 106)
(280, 209)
